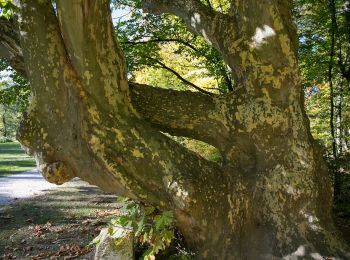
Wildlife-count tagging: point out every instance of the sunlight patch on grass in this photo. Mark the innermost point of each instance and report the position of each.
(13, 159)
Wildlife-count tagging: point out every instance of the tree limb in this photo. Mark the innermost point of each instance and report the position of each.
(10, 48)
(88, 34)
(182, 113)
(50, 128)
(198, 17)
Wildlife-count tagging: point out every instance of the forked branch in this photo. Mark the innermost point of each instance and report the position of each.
(199, 18)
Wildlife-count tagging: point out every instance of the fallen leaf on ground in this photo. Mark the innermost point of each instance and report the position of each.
(8, 216)
(29, 221)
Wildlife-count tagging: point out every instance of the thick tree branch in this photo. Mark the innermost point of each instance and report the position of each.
(198, 17)
(182, 113)
(50, 128)
(10, 48)
(88, 34)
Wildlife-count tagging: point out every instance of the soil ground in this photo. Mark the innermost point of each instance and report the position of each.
(22, 185)
(39, 220)
(57, 225)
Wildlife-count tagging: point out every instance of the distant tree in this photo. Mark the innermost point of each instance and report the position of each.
(9, 122)
(324, 46)
(14, 99)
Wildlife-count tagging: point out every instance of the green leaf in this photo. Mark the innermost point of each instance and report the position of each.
(123, 221)
(164, 220)
(149, 210)
(110, 230)
(168, 235)
(140, 226)
(148, 254)
(6, 8)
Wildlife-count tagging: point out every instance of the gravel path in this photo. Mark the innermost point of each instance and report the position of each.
(23, 185)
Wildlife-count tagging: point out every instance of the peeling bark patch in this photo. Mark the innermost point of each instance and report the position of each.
(137, 153)
(88, 75)
(260, 36)
(261, 112)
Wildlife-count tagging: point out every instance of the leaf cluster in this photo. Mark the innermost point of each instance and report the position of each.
(150, 226)
(14, 89)
(314, 26)
(142, 36)
(6, 8)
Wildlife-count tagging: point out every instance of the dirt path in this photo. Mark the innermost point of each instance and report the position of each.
(23, 185)
(49, 221)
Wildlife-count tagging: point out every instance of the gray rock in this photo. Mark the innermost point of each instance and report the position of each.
(116, 246)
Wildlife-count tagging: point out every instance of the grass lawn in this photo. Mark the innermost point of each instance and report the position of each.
(13, 159)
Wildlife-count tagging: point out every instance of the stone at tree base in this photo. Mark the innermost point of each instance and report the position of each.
(118, 246)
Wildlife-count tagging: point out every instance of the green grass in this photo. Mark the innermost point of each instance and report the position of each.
(13, 159)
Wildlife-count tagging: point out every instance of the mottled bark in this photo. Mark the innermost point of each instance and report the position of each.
(197, 16)
(183, 113)
(271, 197)
(82, 122)
(10, 48)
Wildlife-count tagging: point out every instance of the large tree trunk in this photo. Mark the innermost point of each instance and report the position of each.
(272, 195)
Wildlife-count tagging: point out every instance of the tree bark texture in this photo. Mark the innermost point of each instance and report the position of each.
(271, 198)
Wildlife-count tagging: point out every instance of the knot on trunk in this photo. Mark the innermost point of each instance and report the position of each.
(56, 172)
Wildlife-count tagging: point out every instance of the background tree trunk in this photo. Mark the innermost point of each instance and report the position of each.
(4, 124)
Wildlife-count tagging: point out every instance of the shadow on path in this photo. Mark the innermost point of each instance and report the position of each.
(21, 186)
